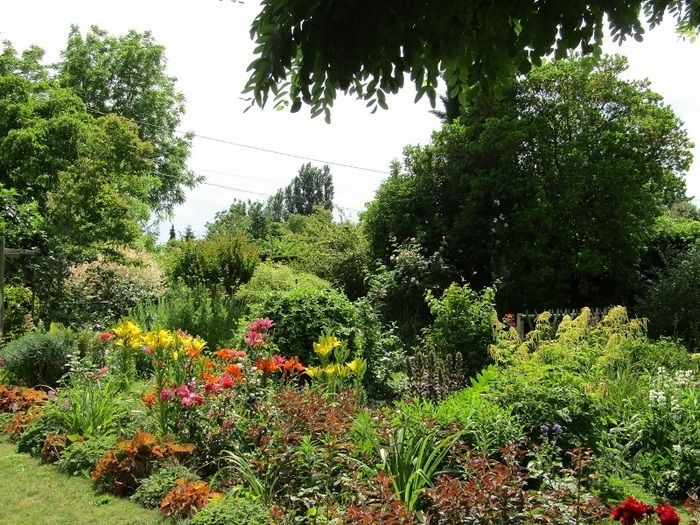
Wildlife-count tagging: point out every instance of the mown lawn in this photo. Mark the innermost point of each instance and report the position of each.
(35, 494)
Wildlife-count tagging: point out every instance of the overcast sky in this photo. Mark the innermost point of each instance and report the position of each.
(209, 48)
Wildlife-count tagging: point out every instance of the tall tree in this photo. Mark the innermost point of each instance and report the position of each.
(127, 75)
(307, 52)
(553, 187)
(312, 187)
(103, 195)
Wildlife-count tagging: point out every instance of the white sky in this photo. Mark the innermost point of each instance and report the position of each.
(209, 48)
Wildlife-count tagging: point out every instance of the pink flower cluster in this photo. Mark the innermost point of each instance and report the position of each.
(257, 332)
(186, 395)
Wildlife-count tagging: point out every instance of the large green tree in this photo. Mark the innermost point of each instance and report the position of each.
(127, 75)
(312, 187)
(553, 187)
(308, 51)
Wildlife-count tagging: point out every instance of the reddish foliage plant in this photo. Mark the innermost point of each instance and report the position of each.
(379, 506)
(120, 470)
(187, 498)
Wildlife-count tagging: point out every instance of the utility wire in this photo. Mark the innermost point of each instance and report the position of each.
(252, 177)
(261, 194)
(249, 146)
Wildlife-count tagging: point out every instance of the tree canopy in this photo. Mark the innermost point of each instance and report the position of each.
(553, 187)
(308, 51)
(126, 75)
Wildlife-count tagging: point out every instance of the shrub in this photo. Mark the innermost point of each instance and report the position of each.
(195, 311)
(274, 277)
(336, 251)
(232, 509)
(219, 262)
(385, 355)
(463, 324)
(18, 312)
(34, 431)
(672, 303)
(485, 425)
(544, 394)
(81, 457)
(397, 290)
(154, 488)
(38, 358)
(99, 292)
(303, 314)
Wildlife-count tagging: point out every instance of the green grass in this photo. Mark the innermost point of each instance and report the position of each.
(35, 494)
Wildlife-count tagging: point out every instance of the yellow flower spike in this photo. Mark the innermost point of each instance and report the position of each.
(330, 370)
(176, 356)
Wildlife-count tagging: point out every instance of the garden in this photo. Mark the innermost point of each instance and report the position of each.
(289, 366)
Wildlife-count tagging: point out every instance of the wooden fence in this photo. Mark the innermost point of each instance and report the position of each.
(525, 322)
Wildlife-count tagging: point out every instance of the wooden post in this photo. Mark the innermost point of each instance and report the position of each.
(2, 287)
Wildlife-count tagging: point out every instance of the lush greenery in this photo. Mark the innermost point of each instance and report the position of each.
(291, 366)
(489, 193)
(308, 54)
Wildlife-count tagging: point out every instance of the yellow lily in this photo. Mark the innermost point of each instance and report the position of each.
(326, 344)
(313, 371)
(357, 367)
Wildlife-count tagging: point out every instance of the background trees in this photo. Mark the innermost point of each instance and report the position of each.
(127, 76)
(309, 53)
(310, 188)
(553, 186)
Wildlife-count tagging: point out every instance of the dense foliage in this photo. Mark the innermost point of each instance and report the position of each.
(491, 190)
(310, 53)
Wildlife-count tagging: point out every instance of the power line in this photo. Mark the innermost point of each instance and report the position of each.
(265, 194)
(259, 179)
(249, 146)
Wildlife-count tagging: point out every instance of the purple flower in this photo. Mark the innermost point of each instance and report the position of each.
(192, 385)
(544, 429)
(557, 429)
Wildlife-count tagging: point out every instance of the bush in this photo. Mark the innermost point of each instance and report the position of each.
(32, 438)
(336, 251)
(194, 310)
(220, 262)
(18, 312)
(463, 323)
(486, 426)
(385, 355)
(398, 290)
(672, 303)
(98, 293)
(154, 488)
(274, 277)
(81, 457)
(38, 359)
(303, 314)
(232, 510)
(544, 395)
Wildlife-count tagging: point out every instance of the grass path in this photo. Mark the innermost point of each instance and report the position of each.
(35, 494)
